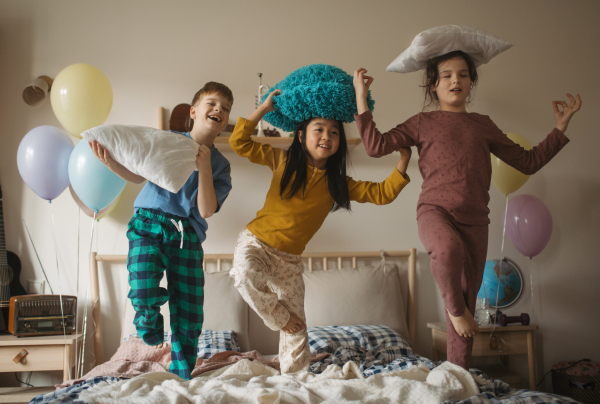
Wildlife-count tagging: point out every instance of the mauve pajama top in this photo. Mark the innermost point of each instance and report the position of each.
(454, 157)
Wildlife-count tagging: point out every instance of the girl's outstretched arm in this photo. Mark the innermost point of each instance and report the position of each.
(563, 117)
(379, 144)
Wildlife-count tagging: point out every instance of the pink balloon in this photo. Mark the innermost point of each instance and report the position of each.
(528, 224)
(85, 209)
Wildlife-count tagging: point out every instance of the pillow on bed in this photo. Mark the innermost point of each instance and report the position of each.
(329, 338)
(363, 296)
(209, 343)
(165, 158)
(477, 43)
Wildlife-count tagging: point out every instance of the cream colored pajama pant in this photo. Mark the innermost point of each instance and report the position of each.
(270, 281)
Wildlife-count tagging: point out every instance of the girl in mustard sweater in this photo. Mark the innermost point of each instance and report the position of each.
(309, 181)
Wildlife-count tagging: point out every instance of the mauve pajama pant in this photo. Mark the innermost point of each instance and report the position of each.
(457, 252)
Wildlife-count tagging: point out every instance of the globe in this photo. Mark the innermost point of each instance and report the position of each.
(511, 283)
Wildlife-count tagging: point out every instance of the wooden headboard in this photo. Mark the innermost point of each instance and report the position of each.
(218, 259)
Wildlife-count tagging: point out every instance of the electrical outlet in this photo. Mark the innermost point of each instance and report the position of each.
(36, 287)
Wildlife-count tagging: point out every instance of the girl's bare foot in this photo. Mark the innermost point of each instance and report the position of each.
(464, 324)
(294, 324)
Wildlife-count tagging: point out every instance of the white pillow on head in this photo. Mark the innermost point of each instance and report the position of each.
(165, 158)
(477, 43)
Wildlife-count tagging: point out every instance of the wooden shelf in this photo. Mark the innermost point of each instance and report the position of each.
(222, 142)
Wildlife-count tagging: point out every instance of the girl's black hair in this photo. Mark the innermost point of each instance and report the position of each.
(432, 75)
(295, 167)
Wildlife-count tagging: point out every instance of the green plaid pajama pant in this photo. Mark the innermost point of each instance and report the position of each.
(160, 242)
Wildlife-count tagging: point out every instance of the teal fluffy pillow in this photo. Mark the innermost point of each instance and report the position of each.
(313, 91)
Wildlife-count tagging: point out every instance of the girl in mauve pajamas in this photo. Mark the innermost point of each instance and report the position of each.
(454, 160)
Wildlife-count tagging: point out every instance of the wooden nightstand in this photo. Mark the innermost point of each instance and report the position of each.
(43, 353)
(518, 340)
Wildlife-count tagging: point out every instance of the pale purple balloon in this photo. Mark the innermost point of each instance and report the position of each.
(43, 160)
(528, 224)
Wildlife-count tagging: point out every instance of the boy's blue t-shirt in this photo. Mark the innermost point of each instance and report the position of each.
(185, 202)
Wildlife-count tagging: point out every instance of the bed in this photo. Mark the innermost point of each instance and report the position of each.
(360, 310)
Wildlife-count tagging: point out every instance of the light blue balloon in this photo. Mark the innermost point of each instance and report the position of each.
(92, 181)
(43, 158)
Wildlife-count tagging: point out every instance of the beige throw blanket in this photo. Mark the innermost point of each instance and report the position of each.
(249, 381)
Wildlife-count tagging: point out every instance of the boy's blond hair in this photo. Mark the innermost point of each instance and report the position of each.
(211, 88)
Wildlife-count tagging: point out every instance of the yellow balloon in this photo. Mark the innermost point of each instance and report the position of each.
(504, 177)
(81, 98)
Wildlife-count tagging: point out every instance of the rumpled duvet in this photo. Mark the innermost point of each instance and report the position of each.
(134, 358)
(249, 381)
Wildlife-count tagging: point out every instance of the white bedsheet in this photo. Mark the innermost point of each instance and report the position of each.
(252, 382)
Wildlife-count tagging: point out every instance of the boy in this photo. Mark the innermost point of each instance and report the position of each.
(167, 230)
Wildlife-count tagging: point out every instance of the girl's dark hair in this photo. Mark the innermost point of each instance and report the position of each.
(295, 167)
(432, 77)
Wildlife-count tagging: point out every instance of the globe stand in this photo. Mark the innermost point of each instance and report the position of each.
(494, 317)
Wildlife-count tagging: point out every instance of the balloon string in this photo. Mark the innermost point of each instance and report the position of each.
(77, 369)
(62, 313)
(531, 289)
(38, 257)
(86, 298)
(500, 267)
(84, 326)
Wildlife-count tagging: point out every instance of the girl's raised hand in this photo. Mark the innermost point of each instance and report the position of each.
(563, 117)
(362, 89)
(360, 86)
(268, 104)
(265, 107)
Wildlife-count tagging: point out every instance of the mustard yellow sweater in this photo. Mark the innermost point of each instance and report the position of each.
(289, 224)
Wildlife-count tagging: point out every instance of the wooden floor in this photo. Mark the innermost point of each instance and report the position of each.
(22, 394)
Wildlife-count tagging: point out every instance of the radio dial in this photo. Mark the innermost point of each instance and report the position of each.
(27, 325)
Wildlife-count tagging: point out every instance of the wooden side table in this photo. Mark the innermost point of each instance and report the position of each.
(22, 395)
(43, 353)
(511, 340)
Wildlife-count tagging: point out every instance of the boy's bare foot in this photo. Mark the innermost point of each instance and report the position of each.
(294, 324)
(464, 324)
(160, 346)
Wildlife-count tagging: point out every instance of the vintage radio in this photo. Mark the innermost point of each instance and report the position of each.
(31, 315)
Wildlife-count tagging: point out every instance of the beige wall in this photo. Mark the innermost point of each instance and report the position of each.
(159, 53)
